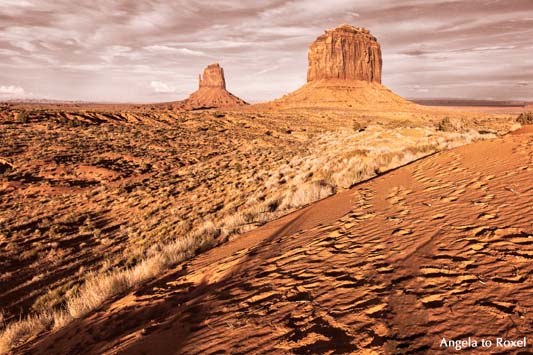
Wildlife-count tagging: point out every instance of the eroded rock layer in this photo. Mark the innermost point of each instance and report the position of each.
(346, 52)
(344, 71)
(213, 76)
(212, 91)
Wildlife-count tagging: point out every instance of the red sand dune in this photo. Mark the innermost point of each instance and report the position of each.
(439, 248)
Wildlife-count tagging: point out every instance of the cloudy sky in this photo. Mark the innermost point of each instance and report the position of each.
(153, 50)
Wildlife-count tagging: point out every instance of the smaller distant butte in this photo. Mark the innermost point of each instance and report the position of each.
(212, 91)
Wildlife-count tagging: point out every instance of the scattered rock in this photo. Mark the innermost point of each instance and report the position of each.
(432, 301)
(5, 166)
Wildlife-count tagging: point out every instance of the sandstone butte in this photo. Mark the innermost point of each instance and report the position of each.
(212, 91)
(345, 52)
(344, 70)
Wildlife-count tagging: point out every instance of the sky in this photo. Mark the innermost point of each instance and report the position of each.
(153, 50)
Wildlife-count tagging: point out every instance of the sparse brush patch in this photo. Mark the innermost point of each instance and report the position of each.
(307, 193)
(448, 124)
(21, 116)
(358, 126)
(99, 288)
(525, 118)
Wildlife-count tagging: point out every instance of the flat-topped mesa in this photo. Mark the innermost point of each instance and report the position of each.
(344, 72)
(213, 77)
(346, 52)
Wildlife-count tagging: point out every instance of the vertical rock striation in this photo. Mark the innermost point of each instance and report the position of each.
(346, 52)
(344, 71)
(213, 77)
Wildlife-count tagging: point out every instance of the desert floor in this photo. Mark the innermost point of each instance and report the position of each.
(95, 200)
(439, 248)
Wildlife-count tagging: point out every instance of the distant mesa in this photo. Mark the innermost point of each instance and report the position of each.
(212, 91)
(344, 70)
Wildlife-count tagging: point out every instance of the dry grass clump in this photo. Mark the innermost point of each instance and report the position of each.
(357, 126)
(16, 333)
(448, 124)
(307, 193)
(99, 288)
(525, 118)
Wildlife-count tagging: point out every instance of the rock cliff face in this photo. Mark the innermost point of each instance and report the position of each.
(212, 91)
(344, 71)
(213, 77)
(346, 52)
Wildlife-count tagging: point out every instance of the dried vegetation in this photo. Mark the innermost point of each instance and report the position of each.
(95, 201)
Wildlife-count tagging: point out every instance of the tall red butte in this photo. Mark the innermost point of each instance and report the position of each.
(346, 52)
(344, 70)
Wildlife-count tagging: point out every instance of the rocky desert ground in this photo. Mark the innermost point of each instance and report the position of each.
(191, 227)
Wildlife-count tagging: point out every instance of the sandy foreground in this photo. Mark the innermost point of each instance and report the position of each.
(439, 249)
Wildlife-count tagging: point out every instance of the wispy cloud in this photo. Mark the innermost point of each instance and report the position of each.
(11, 90)
(111, 49)
(161, 87)
(110, 53)
(173, 50)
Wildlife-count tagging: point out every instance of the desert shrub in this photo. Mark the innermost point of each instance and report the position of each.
(273, 204)
(358, 126)
(73, 123)
(5, 166)
(525, 118)
(21, 117)
(15, 333)
(448, 124)
(308, 193)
